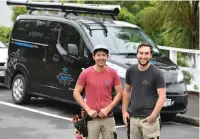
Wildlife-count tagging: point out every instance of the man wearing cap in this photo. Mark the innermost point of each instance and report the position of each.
(98, 82)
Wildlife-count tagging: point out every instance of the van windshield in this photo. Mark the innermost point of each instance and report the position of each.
(119, 40)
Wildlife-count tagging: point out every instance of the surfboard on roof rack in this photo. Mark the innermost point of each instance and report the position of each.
(112, 10)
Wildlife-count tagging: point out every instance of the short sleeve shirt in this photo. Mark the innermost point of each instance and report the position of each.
(98, 86)
(144, 89)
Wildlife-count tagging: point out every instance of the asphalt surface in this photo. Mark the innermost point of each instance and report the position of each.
(45, 119)
(193, 106)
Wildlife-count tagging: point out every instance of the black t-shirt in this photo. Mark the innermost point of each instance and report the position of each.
(144, 89)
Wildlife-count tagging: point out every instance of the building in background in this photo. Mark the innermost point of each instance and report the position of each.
(5, 14)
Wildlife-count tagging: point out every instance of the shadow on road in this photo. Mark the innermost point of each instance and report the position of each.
(3, 87)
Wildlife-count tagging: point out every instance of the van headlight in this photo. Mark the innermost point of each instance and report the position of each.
(180, 76)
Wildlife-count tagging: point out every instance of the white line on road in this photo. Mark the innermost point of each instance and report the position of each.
(41, 112)
(34, 110)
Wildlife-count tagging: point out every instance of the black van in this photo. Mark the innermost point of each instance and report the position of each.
(48, 52)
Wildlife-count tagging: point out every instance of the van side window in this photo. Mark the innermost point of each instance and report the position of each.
(46, 31)
(69, 35)
(37, 31)
(23, 29)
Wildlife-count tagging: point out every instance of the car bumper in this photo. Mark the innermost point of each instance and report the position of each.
(2, 79)
(2, 74)
(179, 104)
(177, 95)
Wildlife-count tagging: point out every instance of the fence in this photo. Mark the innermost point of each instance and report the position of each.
(195, 70)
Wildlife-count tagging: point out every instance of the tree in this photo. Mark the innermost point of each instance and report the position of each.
(178, 20)
(4, 34)
(17, 10)
(170, 23)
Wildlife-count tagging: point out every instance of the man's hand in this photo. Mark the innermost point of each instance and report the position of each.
(104, 112)
(125, 116)
(92, 113)
(150, 119)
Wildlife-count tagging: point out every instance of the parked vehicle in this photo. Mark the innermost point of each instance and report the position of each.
(48, 52)
(3, 59)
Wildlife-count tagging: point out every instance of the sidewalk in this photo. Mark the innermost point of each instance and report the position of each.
(192, 114)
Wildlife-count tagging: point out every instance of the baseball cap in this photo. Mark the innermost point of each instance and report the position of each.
(100, 47)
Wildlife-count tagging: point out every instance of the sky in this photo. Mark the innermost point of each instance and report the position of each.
(5, 14)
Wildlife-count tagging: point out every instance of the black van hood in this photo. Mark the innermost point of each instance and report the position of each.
(169, 69)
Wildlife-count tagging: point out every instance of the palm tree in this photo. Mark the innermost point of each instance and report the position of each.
(178, 19)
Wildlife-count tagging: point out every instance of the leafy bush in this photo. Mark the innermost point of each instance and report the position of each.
(196, 87)
(5, 33)
(187, 77)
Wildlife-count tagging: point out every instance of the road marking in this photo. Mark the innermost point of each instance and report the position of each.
(35, 111)
(52, 115)
(41, 112)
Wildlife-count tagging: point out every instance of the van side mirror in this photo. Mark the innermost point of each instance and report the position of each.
(72, 49)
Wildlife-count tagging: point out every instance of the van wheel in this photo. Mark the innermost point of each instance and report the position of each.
(19, 90)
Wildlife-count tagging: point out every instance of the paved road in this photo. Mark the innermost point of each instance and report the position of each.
(193, 106)
(46, 119)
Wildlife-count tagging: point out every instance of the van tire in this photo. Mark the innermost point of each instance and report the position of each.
(19, 90)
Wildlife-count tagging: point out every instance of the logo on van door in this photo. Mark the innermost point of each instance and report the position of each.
(13, 60)
(64, 78)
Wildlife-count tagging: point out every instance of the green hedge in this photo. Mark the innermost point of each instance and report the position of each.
(5, 33)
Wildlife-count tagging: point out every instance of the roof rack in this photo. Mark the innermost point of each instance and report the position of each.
(112, 10)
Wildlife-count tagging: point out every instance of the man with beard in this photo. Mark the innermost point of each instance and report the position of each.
(98, 82)
(146, 84)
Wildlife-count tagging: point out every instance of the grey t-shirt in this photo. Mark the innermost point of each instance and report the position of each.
(144, 89)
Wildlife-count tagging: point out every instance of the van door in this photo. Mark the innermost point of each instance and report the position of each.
(45, 33)
(67, 69)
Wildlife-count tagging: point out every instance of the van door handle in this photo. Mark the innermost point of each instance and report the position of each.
(45, 56)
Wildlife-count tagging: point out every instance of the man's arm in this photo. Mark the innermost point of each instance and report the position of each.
(125, 102)
(161, 90)
(77, 95)
(117, 98)
(126, 97)
(160, 102)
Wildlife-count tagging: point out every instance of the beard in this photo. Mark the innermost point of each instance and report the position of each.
(144, 64)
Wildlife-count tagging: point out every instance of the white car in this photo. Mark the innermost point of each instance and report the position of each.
(3, 60)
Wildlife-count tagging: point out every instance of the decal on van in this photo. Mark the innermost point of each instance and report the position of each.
(25, 45)
(13, 60)
(68, 59)
(64, 78)
(36, 34)
(153, 62)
